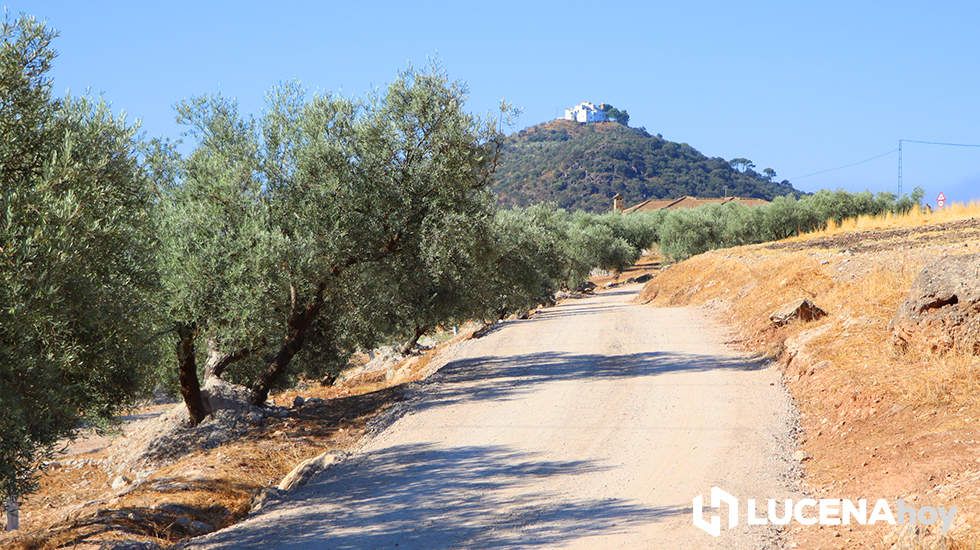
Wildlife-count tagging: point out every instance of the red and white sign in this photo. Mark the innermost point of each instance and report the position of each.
(941, 200)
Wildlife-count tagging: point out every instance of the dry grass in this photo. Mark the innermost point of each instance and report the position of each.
(76, 507)
(877, 422)
(214, 486)
(915, 218)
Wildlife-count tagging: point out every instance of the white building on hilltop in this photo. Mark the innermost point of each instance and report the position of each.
(586, 112)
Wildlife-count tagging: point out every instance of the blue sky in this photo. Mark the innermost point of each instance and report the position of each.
(795, 86)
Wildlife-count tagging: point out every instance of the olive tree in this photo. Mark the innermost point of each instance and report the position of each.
(527, 261)
(75, 259)
(440, 283)
(218, 251)
(355, 186)
(305, 216)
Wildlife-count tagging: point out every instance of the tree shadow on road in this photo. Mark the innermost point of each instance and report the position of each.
(501, 378)
(428, 496)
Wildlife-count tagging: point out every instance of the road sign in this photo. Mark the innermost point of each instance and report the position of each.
(941, 200)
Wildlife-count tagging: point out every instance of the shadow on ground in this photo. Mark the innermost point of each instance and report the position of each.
(500, 378)
(424, 496)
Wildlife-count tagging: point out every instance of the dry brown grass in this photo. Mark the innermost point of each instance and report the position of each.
(75, 507)
(214, 486)
(877, 422)
(914, 218)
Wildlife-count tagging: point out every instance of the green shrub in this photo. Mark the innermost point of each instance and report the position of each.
(76, 270)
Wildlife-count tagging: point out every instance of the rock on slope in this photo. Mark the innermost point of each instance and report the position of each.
(166, 438)
(942, 310)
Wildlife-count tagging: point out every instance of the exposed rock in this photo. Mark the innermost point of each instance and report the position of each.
(169, 485)
(298, 401)
(942, 310)
(193, 526)
(587, 286)
(380, 366)
(221, 395)
(305, 470)
(640, 279)
(265, 497)
(119, 482)
(163, 439)
(798, 351)
(820, 366)
(802, 309)
(800, 456)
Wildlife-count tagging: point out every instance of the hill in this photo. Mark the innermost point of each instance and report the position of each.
(581, 166)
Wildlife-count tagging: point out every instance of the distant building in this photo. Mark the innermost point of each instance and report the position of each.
(586, 112)
(652, 205)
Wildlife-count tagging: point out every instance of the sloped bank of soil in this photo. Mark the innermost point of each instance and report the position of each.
(159, 481)
(881, 420)
(99, 499)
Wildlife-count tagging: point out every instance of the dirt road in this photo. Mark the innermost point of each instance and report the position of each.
(591, 425)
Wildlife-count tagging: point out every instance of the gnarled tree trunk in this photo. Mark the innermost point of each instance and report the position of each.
(410, 344)
(219, 360)
(190, 385)
(301, 318)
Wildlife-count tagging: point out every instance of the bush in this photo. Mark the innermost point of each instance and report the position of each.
(76, 274)
(684, 233)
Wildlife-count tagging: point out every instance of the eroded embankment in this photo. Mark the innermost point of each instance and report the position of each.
(880, 420)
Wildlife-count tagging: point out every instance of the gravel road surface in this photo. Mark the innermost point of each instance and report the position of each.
(591, 425)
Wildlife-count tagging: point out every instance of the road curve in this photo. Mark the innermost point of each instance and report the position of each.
(591, 425)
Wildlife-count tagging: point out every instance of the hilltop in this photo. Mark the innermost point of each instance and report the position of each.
(581, 166)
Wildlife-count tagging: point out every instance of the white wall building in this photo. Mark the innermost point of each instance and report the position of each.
(586, 112)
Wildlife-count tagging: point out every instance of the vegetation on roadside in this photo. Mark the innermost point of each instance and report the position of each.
(75, 234)
(896, 219)
(685, 233)
(283, 243)
(277, 247)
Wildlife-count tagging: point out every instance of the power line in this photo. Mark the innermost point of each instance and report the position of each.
(924, 142)
(940, 143)
(885, 154)
(824, 171)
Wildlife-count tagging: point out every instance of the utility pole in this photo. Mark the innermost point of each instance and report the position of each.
(900, 167)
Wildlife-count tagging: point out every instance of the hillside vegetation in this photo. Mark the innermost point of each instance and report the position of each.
(581, 166)
(685, 233)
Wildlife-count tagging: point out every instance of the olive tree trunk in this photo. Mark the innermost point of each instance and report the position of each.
(190, 385)
(410, 344)
(301, 318)
(219, 360)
